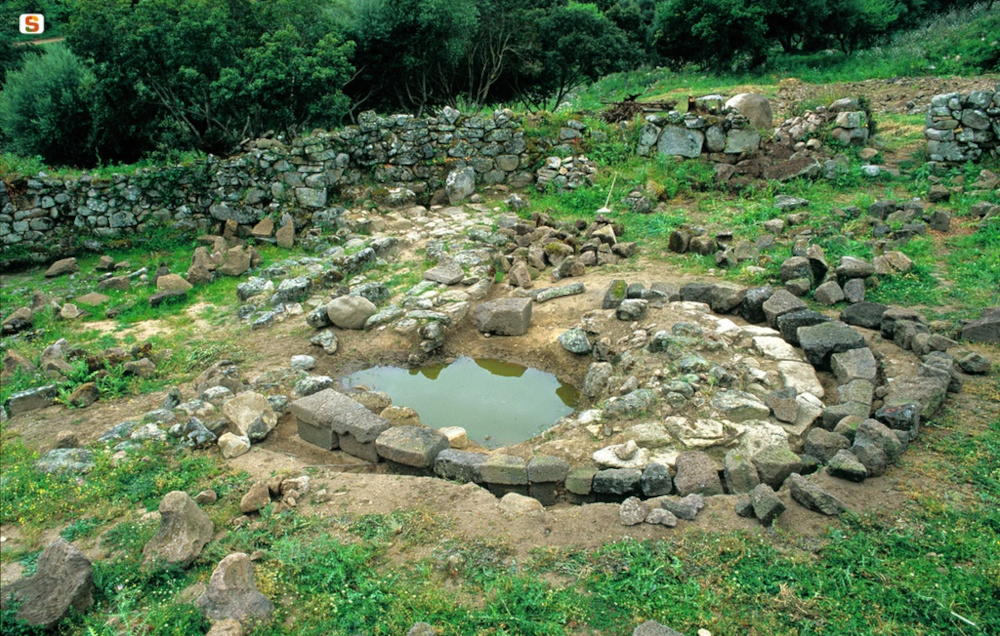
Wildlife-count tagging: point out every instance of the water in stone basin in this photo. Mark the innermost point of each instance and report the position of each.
(498, 403)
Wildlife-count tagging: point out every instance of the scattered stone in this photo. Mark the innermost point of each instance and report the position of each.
(633, 511)
(662, 517)
(61, 267)
(811, 496)
(62, 583)
(285, 236)
(456, 435)
(684, 508)
(256, 498)
(846, 466)
(985, 329)
(32, 399)
(575, 341)
(975, 364)
(302, 362)
(823, 444)
(829, 293)
(513, 505)
(627, 455)
(854, 290)
(767, 507)
(652, 628)
(232, 594)
(172, 282)
(446, 273)
(251, 414)
(631, 309)
(66, 460)
(313, 384)
(779, 303)
(84, 395)
(184, 530)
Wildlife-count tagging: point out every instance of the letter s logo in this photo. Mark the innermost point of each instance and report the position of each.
(32, 23)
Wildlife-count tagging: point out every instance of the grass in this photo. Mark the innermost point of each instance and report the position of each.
(932, 568)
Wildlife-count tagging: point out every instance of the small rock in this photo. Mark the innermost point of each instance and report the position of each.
(232, 445)
(685, 508)
(633, 511)
(256, 498)
(846, 466)
(766, 505)
(513, 505)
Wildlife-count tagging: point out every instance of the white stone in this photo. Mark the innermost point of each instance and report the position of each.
(759, 330)
(457, 436)
(251, 414)
(776, 349)
(727, 326)
(802, 376)
(699, 433)
(607, 457)
(303, 363)
(759, 434)
(513, 505)
(231, 445)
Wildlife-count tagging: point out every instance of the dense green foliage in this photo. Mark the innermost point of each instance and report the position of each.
(46, 108)
(169, 75)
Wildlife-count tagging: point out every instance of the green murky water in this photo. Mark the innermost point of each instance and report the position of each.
(498, 403)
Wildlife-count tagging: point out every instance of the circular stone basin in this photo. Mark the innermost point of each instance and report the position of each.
(498, 403)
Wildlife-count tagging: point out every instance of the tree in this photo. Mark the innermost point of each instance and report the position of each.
(287, 85)
(46, 108)
(409, 51)
(721, 34)
(572, 43)
(206, 73)
(858, 23)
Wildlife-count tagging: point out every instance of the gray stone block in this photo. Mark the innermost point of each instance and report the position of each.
(459, 465)
(415, 446)
(543, 468)
(504, 470)
(323, 437)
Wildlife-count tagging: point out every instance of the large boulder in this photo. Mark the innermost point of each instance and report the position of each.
(231, 592)
(184, 531)
(504, 316)
(755, 108)
(350, 312)
(460, 184)
(986, 329)
(822, 340)
(62, 583)
(251, 414)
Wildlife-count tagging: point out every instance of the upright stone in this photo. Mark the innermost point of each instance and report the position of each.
(184, 530)
(62, 583)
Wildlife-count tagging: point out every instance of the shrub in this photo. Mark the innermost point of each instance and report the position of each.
(46, 108)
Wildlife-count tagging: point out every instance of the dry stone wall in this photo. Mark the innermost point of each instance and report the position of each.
(963, 127)
(42, 217)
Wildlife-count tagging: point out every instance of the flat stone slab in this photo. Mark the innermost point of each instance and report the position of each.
(445, 273)
(856, 364)
(776, 348)
(825, 339)
(332, 410)
(415, 446)
(505, 470)
(459, 465)
(802, 376)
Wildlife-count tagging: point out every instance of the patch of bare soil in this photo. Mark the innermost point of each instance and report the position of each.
(885, 95)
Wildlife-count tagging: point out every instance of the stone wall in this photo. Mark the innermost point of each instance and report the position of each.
(42, 217)
(963, 127)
